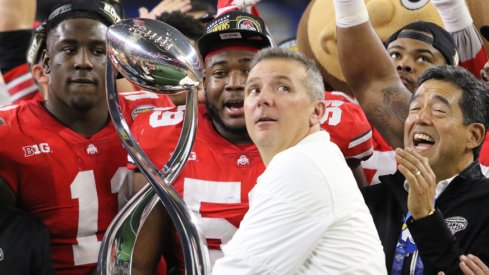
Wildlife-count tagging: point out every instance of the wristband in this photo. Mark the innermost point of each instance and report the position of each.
(350, 13)
(454, 13)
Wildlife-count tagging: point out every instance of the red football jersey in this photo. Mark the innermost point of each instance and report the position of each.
(347, 126)
(20, 84)
(382, 162)
(217, 177)
(484, 156)
(68, 181)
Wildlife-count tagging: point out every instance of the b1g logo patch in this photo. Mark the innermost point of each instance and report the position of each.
(36, 149)
(247, 23)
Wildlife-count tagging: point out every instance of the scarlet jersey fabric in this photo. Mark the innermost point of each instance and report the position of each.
(217, 177)
(68, 181)
(347, 126)
(382, 162)
(134, 103)
(20, 84)
(484, 157)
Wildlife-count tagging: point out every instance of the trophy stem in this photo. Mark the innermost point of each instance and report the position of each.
(119, 241)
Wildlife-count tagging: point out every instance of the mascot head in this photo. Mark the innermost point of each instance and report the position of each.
(316, 33)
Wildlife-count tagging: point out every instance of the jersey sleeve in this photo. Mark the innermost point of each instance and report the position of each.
(134, 103)
(8, 169)
(471, 51)
(349, 129)
(20, 84)
(157, 131)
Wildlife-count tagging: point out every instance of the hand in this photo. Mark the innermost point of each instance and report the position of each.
(165, 6)
(471, 265)
(421, 180)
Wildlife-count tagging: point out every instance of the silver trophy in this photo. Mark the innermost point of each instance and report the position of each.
(160, 59)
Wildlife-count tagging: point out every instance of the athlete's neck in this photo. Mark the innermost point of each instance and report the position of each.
(86, 123)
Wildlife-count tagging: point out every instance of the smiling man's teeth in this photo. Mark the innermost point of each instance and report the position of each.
(423, 137)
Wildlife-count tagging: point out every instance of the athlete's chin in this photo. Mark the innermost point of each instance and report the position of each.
(83, 104)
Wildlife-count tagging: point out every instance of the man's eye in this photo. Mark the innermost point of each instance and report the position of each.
(219, 74)
(98, 51)
(253, 91)
(424, 59)
(68, 50)
(395, 55)
(283, 89)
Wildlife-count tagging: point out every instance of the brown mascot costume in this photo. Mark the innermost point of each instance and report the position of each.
(316, 33)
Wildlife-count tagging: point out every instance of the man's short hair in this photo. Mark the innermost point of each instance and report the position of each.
(442, 40)
(474, 102)
(314, 81)
(186, 24)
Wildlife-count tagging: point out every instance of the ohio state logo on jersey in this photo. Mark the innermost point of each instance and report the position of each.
(92, 150)
(243, 161)
(36, 149)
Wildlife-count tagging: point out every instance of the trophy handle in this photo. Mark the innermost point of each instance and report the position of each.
(119, 240)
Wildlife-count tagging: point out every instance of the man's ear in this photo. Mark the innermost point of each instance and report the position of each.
(475, 135)
(45, 62)
(319, 109)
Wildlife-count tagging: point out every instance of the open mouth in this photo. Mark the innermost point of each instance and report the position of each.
(234, 107)
(422, 142)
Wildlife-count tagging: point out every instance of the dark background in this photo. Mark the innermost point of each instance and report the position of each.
(281, 16)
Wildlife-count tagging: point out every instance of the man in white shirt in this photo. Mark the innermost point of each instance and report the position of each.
(306, 213)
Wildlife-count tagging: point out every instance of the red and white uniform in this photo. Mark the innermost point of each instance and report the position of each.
(382, 162)
(347, 126)
(21, 85)
(217, 177)
(484, 157)
(68, 181)
(381, 159)
(471, 49)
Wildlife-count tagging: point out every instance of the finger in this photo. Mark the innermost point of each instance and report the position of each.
(405, 166)
(441, 273)
(143, 12)
(414, 159)
(484, 269)
(424, 161)
(465, 269)
(469, 265)
(403, 158)
(409, 175)
(186, 8)
(418, 165)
